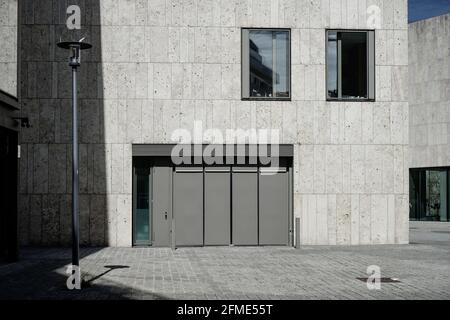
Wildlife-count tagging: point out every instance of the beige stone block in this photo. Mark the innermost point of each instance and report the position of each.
(355, 232)
(319, 168)
(305, 122)
(158, 38)
(227, 13)
(197, 86)
(40, 174)
(231, 50)
(381, 123)
(208, 12)
(289, 125)
(111, 221)
(126, 80)
(261, 13)
(331, 219)
(97, 220)
(162, 75)
(57, 163)
(343, 219)
(336, 14)
(322, 219)
(374, 169)
(213, 45)
(190, 13)
(174, 47)
(391, 219)
(124, 221)
(298, 82)
(35, 219)
(212, 77)
(306, 168)
(388, 169)
(117, 168)
(357, 169)
(333, 169)
(379, 216)
(383, 83)
(365, 213)
(346, 169)
(402, 219)
(353, 128)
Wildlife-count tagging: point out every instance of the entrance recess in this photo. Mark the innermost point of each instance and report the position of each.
(210, 205)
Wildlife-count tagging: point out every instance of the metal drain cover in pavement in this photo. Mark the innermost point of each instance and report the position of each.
(382, 280)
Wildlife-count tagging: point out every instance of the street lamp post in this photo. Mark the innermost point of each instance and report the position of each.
(74, 62)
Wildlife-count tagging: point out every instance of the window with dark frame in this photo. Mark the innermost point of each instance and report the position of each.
(266, 64)
(429, 194)
(350, 65)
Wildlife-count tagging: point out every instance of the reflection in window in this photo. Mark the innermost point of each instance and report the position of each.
(350, 65)
(142, 214)
(267, 64)
(332, 76)
(429, 195)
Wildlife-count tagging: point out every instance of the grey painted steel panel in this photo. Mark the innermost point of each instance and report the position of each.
(188, 208)
(245, 208)
(161, 217)
(217, 207)
(273, 209)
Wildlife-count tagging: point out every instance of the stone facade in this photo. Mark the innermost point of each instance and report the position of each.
(8, 62)
(159, 65)
(429, 100)
(8, 41)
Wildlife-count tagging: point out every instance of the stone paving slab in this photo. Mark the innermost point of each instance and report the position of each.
(313, 272)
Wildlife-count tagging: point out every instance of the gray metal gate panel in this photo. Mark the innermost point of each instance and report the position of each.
(245, 206)
(161, 215)
(217, 206)
(188, 206)
(273, 208)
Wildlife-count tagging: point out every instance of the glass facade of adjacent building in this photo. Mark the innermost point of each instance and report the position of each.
(429, 194)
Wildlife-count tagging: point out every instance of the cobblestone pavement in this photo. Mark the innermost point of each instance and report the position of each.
(325, 272)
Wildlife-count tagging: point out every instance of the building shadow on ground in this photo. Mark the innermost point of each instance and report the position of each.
(40, 276)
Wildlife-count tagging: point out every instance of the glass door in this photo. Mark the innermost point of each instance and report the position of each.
(142, 208)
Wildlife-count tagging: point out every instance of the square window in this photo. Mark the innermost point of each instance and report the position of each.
(266, 64)
(350, 65)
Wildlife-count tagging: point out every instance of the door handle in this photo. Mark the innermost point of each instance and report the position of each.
(165, 215)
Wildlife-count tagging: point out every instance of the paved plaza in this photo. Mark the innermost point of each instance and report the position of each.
(319, 272)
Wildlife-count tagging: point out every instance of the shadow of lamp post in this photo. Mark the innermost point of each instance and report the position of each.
(74, 62)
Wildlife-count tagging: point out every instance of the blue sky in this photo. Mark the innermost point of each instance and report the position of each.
(423, 9)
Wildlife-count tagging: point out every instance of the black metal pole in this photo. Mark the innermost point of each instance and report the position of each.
(75, 226)
(74, 62)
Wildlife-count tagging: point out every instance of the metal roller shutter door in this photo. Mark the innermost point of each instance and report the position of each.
(188, 206)
(217, 206)
(273, 207)
(245, 206)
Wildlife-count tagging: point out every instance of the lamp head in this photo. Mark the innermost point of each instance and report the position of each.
(75, 50)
